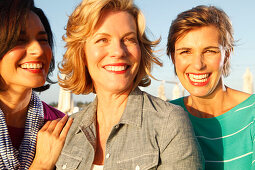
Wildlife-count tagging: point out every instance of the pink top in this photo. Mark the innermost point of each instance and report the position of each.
(17, 134)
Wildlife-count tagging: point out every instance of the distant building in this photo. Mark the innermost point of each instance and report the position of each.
(161, 91)
(65, 101)
(176, 92)
(248, 82)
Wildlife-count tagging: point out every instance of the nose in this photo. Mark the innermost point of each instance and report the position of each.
(34, 48)
(198, 62)
(118, 49)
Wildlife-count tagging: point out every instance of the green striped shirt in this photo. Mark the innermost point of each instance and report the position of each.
(227, 140)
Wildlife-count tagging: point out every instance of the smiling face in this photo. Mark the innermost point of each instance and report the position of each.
(27, 64)
(113, 53)
(199, 59)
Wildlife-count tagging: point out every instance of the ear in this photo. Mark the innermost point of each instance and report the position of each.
(227, 55)
(226, 63)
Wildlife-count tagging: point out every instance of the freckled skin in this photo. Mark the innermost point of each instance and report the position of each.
(199, 52)
(113, 44)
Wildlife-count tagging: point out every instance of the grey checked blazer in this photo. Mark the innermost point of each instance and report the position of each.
(152, 134)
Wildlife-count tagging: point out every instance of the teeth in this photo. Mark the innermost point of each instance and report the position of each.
(31, 66)
(198, 78)
(115, 68)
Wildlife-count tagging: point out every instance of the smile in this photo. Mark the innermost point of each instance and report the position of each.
(199, 79)
(115, 68)
(31, 65)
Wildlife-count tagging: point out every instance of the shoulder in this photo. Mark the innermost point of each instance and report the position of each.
(164, 116)
(50, 113)
(85, 116)
(162, 107)
(178, 101)
(172, 129)
(237, 96)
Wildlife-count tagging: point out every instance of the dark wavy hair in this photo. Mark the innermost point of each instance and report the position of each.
(13, 15)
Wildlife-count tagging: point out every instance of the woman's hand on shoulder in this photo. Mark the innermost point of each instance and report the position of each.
(50, 141)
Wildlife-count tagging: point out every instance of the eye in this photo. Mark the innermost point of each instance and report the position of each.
(21, 41)
(210, 51)
(102, 41)
(130, 40)
(185, 52)
(43, 39)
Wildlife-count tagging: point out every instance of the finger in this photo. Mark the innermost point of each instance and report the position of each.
(66, 128)
(52, 125)
(45, 126)
(60, 126)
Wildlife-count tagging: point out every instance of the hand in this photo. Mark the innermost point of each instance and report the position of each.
(50, 141)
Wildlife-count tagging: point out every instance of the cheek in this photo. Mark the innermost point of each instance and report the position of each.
(216, 63)
(48, 52)
(11, 59)
(136, 54)
(180, 65)
(91, 59)
(93, 55)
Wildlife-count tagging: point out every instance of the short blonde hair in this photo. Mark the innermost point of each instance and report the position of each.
(81, 25)
(200, 16)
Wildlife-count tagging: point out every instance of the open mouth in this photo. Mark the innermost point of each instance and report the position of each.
(199, 79)
(117, 68)
(31, 66)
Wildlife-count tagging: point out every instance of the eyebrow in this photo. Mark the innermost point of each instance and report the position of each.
(183, 48)
(106, 34)
(39, 33)
(212, 47)
(42, 32)
(129, 33)
(186, 48)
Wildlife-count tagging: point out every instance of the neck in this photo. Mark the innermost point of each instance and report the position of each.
(14, 104)
(209, 106)
(111, 107)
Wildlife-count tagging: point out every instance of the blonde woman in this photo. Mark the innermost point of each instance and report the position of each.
(109, 54)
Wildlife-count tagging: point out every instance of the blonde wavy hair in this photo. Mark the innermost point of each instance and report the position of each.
(200, 16)
(81, 25)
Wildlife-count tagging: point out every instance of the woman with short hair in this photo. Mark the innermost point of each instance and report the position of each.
(200, 43)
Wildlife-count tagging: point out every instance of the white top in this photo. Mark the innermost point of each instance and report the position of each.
(97, 167)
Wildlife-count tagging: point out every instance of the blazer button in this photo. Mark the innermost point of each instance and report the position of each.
(64, 166)
(107, 156)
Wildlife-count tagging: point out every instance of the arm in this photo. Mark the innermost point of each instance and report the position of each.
(50, 141)
(179, 147)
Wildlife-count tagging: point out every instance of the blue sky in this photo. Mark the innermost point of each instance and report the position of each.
(159, 15)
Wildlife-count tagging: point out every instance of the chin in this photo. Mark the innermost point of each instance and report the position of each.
(119, 88)
(201, 94)
(36, 84)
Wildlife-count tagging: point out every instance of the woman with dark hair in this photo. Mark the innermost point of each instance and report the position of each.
(200, 43)
(26, 60)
